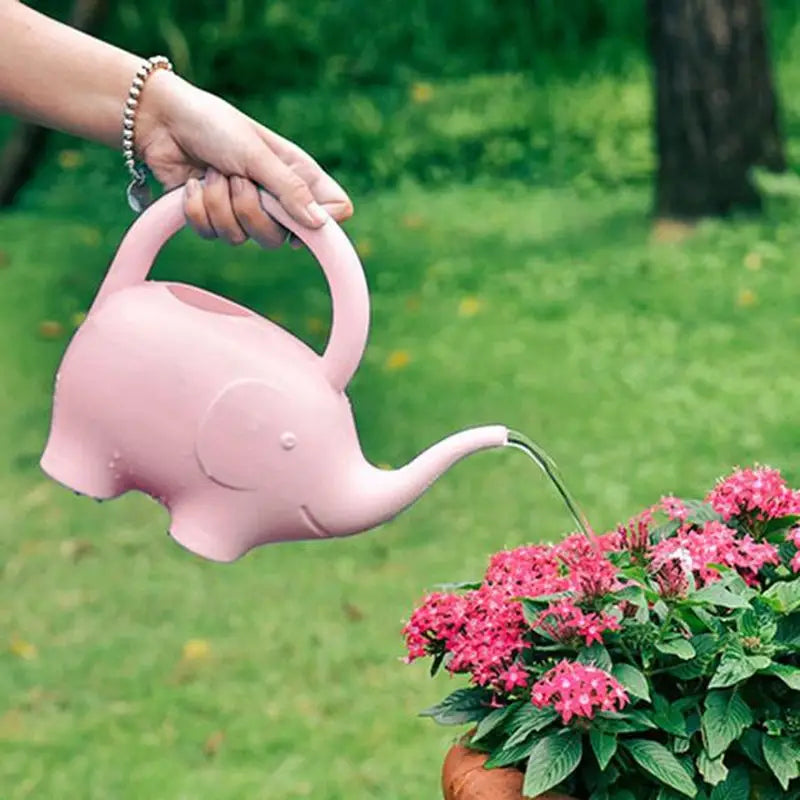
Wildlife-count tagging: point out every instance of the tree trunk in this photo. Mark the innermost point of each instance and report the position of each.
(716, 114)
(26, 144)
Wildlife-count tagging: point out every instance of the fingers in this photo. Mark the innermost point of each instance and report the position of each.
(327, 192)
(209, 209)
(195, 209)
(219, 208)
(292, 191)
(256, 223)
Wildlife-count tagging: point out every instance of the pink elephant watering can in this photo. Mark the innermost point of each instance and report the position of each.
(239, 429)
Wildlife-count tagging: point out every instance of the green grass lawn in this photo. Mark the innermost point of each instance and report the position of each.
(130, 669)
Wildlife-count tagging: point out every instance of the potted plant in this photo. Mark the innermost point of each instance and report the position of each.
(658, 661)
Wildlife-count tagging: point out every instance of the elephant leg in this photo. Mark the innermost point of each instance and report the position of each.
(75, 462)
(209, 528)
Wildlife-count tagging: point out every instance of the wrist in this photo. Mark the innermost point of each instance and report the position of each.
(154, 112)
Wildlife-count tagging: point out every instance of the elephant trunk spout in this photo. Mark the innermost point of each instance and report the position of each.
(385, 493)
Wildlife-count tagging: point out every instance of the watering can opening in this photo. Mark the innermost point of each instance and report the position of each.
(207, 301)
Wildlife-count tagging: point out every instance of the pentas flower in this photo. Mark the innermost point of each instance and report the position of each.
(634, 535)
(793, 536)
(673, 507)
(714, 543)
(565, 622)
(761, 493)
(481, 631)
(438, 619)
(514, 677)
(528, 571)
(578, 690)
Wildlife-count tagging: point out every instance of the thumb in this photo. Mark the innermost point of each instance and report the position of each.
(265, 168)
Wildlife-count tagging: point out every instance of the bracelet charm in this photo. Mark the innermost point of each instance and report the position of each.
(138, 192)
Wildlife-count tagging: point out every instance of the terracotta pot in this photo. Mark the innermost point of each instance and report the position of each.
(464, 778)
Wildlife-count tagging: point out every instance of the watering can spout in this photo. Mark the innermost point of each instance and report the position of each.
(389, 492)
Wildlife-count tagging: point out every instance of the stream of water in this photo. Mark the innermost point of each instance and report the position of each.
(548, 466)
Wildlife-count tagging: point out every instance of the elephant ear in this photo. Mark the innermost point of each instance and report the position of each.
(238, 441)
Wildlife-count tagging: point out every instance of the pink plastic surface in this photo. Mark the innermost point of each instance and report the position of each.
(237, 427)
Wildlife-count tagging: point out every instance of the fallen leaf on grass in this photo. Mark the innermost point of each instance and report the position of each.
(90, 236)
(76, 549)
(422, 92)
(398, 359)
(50, 329)
(412, 222)
(746, 299)
(22, 649)
(670, 231)
(213, 744)
(315, 325)
(36, 497)
(70, 159)
(753, 261)
(196, 650)
(469, 306)
(352, 611)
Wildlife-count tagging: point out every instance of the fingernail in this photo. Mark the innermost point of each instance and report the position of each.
(212, 176)
(319, 216)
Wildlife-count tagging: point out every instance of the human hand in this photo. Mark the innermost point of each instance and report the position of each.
(184, 133)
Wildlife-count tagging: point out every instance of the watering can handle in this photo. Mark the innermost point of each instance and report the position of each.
(329, 244)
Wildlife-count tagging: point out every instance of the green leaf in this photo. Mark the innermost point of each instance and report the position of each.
(681, 745)
(509, 753)
(789, 675)
(712, 769)
(735, 787)
(632, 680)
(735, 667)
(529, 719)
(788, 633)
(494, 720)
(635, 721)
(705, 646)
(459, 586)
(717, 595)
(700, 512)
(752, 747)
(604, 746)
(669, 717)
(781, 755)
(664, 531)
(725, 717)
(463, 705)
(678, 646)
(595, 654)
(553, 759)
(656, 760)
(784, 596)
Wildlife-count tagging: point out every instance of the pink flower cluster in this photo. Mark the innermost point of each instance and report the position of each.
(483, 630)
(714, 543)
(565, 622)
(578, 690)
(794, 537)
(760, 492)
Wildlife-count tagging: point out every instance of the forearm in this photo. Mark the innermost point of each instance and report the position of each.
(61, 78)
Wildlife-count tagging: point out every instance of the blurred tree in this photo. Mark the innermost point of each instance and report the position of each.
(716, 113)
(25, 146)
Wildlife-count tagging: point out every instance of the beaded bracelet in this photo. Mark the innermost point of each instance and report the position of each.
(138, 193)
